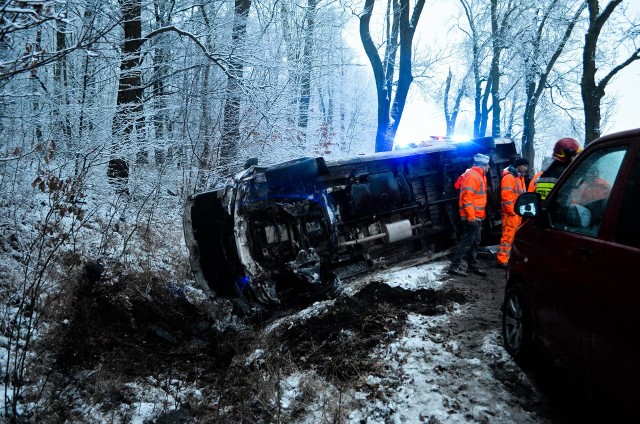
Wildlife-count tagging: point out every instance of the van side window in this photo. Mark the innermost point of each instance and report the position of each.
(580, 203)
(627, 224)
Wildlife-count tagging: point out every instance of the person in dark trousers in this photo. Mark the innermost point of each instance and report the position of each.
(564, 151)
(472, 203)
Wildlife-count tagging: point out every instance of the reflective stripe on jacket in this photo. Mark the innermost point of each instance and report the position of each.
(511, 186)
(549, 178)
(473, 195)
(544, 186)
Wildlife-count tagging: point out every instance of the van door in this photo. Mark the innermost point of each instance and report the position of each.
(581, 261)
(615, 313)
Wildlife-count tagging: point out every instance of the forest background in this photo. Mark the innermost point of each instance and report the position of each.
(112, 112)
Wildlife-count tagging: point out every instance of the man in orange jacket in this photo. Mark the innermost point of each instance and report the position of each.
(472, 202)
(511, 186)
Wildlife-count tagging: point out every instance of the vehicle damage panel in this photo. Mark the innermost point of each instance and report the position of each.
(293, 230)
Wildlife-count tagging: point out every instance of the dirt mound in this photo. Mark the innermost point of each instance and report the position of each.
(119, 324)
(338, 343)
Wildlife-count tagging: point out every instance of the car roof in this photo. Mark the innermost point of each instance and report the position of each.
(617, 135)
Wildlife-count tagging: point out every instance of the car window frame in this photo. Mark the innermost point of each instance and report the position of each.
(633, 157)
(605, 231)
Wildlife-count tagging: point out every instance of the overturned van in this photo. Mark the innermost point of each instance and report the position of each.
(290, 232)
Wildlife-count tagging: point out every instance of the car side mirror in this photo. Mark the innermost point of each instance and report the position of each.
(528, 205)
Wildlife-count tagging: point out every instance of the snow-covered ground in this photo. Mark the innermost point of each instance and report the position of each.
(444, 366)
(429, 373)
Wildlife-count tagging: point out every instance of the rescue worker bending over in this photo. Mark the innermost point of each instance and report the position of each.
(564, 151)
(472, 203)
(511, 185)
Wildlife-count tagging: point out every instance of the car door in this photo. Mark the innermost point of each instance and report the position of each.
(614, 314)
(577, 258)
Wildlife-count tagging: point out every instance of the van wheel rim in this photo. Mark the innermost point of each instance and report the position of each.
(513, 323)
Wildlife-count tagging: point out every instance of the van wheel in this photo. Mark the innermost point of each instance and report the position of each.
(517, 334)
(291, 172)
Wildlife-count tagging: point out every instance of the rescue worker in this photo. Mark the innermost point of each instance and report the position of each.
(592, 189)
(564, 151)
(534, 180)
(511, 185)
(472, 203)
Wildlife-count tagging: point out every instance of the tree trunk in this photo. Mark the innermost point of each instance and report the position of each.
(128, 117)
(390, 111)
(204, 149)
(61, 88)
(534, 90)
(378, 73)
(305, 80)
(591, 92)
(451, 116)
(36, 107)
(293, 57)
(475, 66)
(161, 58)
(529, 127)
(231, 127)
(497, 41)
(86, 80)
(485, 109)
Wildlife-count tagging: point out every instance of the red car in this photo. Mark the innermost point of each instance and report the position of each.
(573, 285)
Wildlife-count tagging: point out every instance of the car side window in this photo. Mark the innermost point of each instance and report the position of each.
(627, 224)
(580, 202)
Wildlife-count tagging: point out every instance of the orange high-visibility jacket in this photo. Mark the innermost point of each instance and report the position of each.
(511, 186)
(473, 195)
(534, 182)
(593, 190)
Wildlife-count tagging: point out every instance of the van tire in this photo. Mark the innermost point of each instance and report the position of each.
(517, 330)
(291, 172)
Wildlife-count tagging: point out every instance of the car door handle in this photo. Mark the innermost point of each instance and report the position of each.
(585, 251)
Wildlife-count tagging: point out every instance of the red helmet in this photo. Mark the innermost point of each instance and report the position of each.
(565, 149)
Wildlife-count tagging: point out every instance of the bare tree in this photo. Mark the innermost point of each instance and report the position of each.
(480, 95)
(399, 35)
(451, 116)
(60, 76)
(128, 118)
(20, 21)
(592, 91)
(537, 72)
(307, 55)
(161, 65)
(501, 37)
(231, 128)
